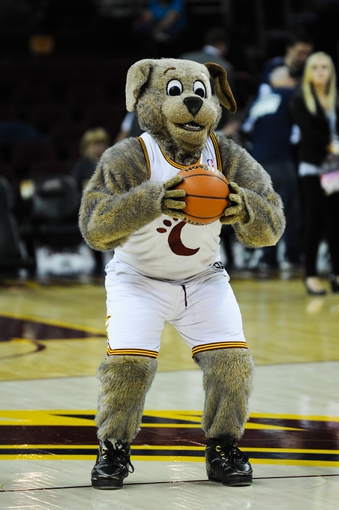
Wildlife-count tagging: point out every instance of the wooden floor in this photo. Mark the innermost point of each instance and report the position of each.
(59, 326)
(52, 341)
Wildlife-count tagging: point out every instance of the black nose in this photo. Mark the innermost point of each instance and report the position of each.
(193, 104)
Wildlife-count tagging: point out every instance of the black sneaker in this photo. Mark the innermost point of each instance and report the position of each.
(227, 464)
(112, 465)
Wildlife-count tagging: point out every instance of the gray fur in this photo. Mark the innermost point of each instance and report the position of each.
(120, 199)
(227, 382)
(124, 383)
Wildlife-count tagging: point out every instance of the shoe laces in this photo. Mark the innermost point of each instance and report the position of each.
(230, 453)
(120, 452)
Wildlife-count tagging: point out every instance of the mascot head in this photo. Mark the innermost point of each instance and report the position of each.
(174, 100)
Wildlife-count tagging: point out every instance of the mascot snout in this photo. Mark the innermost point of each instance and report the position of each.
(193, 104)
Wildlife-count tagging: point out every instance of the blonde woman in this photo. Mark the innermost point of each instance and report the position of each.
(316, 112)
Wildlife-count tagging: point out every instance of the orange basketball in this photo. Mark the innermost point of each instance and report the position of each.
(206, 194)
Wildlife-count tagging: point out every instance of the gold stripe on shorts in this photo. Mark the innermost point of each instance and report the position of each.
(219, 345)
(132, 352)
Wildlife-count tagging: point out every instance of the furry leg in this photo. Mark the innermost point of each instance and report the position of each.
(227, 382)
(124, 382)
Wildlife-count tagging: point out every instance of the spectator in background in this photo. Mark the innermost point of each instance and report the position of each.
(92, 145)
(161, 23)
(290, 66)
(215, 49)
(129, 127)
(269, 125)
(316, 112)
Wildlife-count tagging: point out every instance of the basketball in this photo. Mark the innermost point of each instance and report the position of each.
(206, 194)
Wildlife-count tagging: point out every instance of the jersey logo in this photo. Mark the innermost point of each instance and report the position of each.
(174, 238)
(210, 162)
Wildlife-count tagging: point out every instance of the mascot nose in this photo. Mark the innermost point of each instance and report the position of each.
(193, 104)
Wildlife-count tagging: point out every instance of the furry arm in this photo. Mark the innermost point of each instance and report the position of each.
(257, 218)
(119, 199)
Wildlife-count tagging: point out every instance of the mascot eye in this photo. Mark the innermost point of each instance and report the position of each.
(199, 89)
(174, 88)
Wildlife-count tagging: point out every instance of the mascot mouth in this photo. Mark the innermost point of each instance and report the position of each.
(191, 126)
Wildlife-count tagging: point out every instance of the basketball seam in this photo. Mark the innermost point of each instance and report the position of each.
(219, 177)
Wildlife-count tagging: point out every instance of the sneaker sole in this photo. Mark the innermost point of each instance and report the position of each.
(234, 481)
(107, 484)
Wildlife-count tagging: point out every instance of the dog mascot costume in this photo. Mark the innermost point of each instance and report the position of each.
(166, 269)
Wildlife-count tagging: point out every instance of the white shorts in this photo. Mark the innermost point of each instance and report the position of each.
(203, 310)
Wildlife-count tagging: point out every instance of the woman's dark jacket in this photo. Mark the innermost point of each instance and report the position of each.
(314, 128)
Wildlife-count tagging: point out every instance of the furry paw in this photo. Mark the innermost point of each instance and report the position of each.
(236, 210)
(173, 199)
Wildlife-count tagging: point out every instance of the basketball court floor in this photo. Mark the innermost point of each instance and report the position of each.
(52, 341)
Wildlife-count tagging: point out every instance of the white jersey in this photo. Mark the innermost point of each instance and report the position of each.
(167, 248)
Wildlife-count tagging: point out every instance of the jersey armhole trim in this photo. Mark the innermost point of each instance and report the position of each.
(144, 150)
(217, 152)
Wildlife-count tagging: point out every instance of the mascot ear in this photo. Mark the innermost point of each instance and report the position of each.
(222, 88)
(137, 76)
